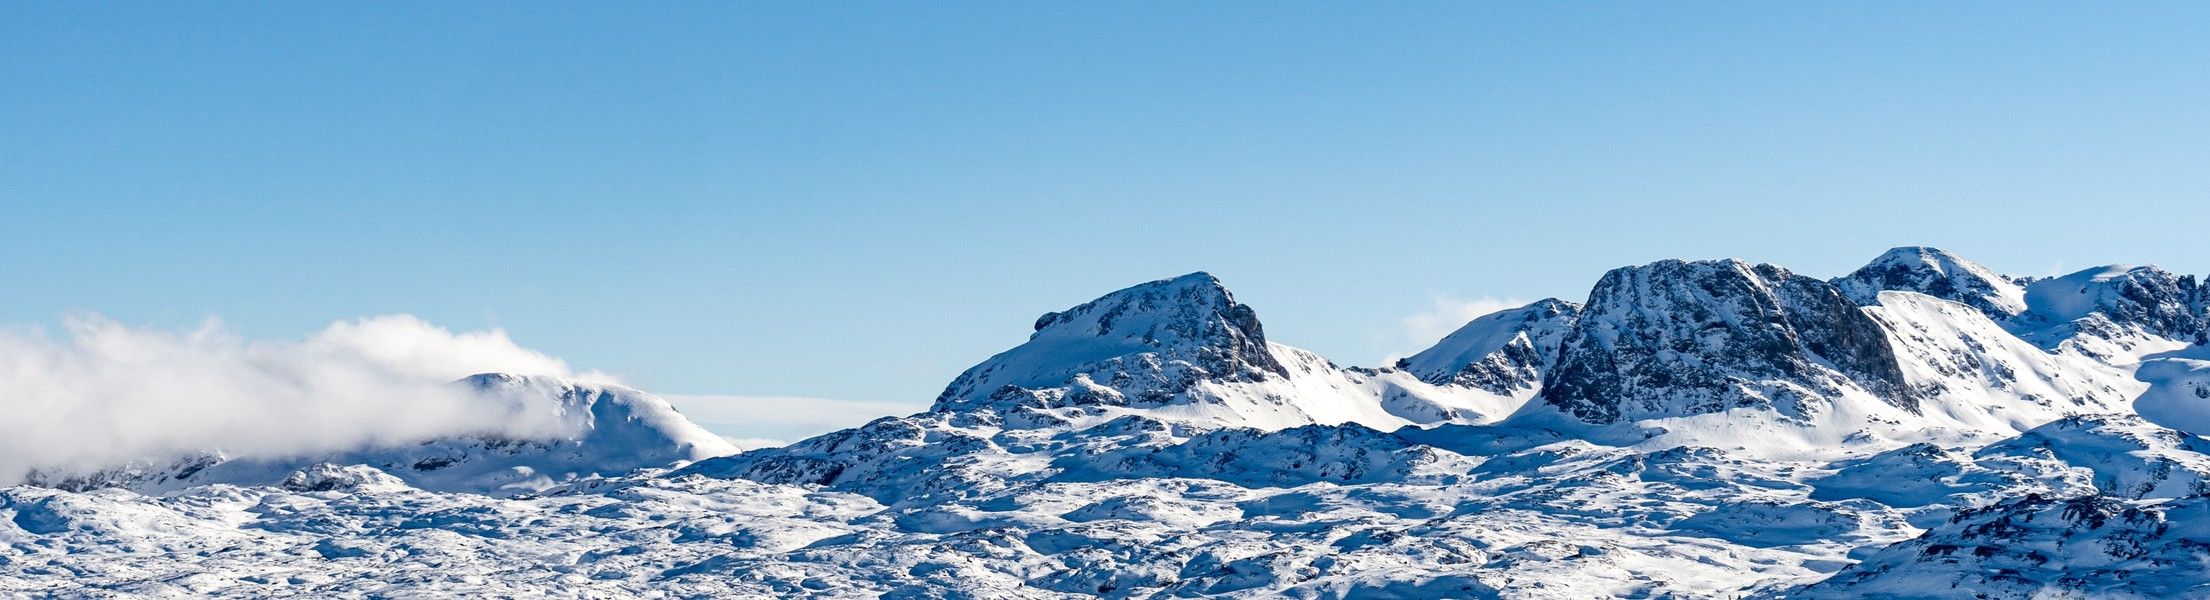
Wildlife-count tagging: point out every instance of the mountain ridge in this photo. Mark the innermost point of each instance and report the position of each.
(1920, 426)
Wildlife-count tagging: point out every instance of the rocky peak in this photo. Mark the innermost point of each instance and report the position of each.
(1145, 343)
(1676, 338)
(1937, 273)
(1501, 352)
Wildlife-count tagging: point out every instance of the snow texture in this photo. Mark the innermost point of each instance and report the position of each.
(1923, 427)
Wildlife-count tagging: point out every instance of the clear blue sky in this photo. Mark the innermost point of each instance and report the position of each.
(858, 200)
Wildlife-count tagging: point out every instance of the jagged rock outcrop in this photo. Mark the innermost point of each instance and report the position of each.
(1677, 338)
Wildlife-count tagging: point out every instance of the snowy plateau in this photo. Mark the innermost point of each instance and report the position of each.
(1923, 427)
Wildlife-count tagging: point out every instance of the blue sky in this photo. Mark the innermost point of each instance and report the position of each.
(858, 200)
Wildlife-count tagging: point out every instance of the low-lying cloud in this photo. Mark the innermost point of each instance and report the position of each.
(102, 393)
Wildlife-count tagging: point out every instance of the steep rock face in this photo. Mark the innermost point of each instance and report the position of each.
(1677, 338)
(1503, 353)
(1140, 368)
(1937, 273)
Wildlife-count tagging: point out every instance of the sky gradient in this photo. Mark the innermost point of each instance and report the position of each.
(859, 200)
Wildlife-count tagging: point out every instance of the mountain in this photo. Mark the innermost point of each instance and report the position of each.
(1937, 273)
(1920, 427)
(1148, 365)
(1681, 339)
(1505, 352)
(1183, 349)
(2116, 313)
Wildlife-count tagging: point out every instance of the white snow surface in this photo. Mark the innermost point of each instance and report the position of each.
(1153, 443)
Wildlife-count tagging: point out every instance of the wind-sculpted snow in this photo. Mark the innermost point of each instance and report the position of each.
(2179, 389)
(1696, 430)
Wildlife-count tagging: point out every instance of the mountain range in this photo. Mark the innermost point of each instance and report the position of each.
(1922, 427)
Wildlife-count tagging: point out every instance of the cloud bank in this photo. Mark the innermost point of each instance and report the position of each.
(102, 393)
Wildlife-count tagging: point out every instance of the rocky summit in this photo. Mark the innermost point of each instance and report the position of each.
(1922, 427)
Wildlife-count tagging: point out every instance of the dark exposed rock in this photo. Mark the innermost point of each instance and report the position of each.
(1680, 338)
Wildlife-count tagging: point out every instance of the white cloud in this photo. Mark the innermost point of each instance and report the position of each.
(409, 344)
(766, 420)
(105, 393)
(1446, 315)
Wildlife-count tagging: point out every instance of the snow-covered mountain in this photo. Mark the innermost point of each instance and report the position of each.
(1681, 339)
(1184, 350)
(600, 430)
(1937, 273)
(1921, 427)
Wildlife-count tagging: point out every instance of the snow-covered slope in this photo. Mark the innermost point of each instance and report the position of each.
(1505, 352)
(2036, 546)
(1974, 375)
(2115, 314)
(1922, 427)
(2179, 389)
